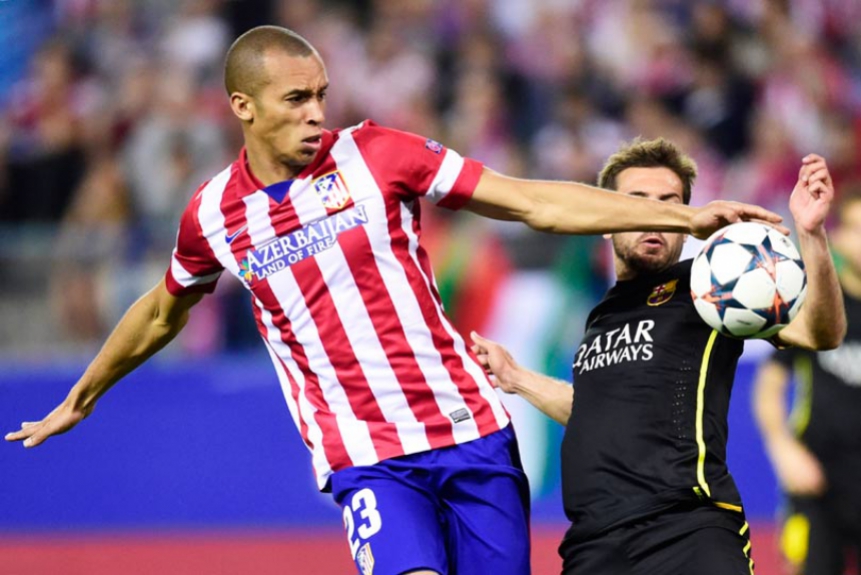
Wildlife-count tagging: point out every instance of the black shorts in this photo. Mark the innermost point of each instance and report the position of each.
(819, 535)
(687, 539)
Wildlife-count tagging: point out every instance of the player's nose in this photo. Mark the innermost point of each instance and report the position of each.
(316, 113)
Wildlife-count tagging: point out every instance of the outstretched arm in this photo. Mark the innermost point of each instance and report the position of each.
(798, 471)
(149, 324)
(552, 397)
(573, 208)
(821, 322)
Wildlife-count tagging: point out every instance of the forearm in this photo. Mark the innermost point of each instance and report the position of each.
(553, 397)
(141, 332)
(573, 208)
(827, 317)
(821, 323)
(770, 406)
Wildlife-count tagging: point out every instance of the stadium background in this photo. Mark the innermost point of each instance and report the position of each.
(112, 112)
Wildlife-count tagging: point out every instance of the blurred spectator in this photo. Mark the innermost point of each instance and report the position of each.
(390, 76)
(47, 116)
(572, 145)
(182, 144)
(24, 26)
(767, 174)
(718, 101)
(842, 145)
(196, 40)
(111, 36)
(90, 250)
(478, 123)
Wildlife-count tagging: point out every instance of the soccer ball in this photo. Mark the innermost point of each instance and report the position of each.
(748, 281)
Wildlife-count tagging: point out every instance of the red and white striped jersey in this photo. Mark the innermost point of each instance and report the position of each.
(343, 293)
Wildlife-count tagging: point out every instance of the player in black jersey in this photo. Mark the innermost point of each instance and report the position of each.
(644, 476)
(816, 450)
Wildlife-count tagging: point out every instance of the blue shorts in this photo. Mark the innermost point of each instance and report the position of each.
(459, 510)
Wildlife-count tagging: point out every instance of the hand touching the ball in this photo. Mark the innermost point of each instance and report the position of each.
(715, 215)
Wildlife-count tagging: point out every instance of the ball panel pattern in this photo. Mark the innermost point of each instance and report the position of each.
(742, 322)
(748, 281)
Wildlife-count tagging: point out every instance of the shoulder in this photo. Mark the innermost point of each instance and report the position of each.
(215, 186)
(369, 134)
(210, 193)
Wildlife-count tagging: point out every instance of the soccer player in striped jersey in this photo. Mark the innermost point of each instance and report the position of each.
(816, 449)
(644, 476)
(322, 227)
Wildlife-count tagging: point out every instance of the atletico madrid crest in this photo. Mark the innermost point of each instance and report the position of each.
(662, 293)
(332, 190)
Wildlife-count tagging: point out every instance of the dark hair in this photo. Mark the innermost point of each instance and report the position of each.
(243, 66)
(657, 153)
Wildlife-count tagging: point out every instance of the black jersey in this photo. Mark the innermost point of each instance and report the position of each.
(826, 412)
(649, 424)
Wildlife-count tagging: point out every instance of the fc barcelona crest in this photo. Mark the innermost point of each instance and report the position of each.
(662, 293)
(332, 190)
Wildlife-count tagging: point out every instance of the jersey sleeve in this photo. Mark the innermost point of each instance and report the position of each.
(413, 166)
(193, 266)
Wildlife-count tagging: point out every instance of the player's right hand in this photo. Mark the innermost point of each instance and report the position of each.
(797, 469)
(62, 419)
(715, 215)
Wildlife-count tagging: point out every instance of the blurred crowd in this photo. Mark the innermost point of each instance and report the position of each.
(112, 112)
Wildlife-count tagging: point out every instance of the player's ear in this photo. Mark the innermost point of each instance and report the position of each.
(242, 106)
(608, 236)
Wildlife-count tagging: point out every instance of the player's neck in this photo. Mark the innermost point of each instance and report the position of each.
(850, 281)
(624, 273)
(265, 167)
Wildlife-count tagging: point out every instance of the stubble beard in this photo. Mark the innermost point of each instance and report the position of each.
(641, 265)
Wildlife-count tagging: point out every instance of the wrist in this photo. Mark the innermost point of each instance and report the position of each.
(81, 399)
(687, 215)
(515, 378)
(816, 234)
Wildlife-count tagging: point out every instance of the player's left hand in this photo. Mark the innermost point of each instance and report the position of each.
(495, 360)
(812, 196)
(715, 215)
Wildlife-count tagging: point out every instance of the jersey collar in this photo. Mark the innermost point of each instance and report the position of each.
(248, 182)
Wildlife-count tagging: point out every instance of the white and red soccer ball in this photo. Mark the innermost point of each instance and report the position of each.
(748, 281)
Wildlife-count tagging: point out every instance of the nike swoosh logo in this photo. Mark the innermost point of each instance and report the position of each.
(229, 238)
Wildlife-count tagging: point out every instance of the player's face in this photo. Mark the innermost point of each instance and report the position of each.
(636, 253)
(289, 109)
(847, 236)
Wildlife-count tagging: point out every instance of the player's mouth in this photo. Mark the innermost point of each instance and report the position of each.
(313, 143)
(652, 241)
